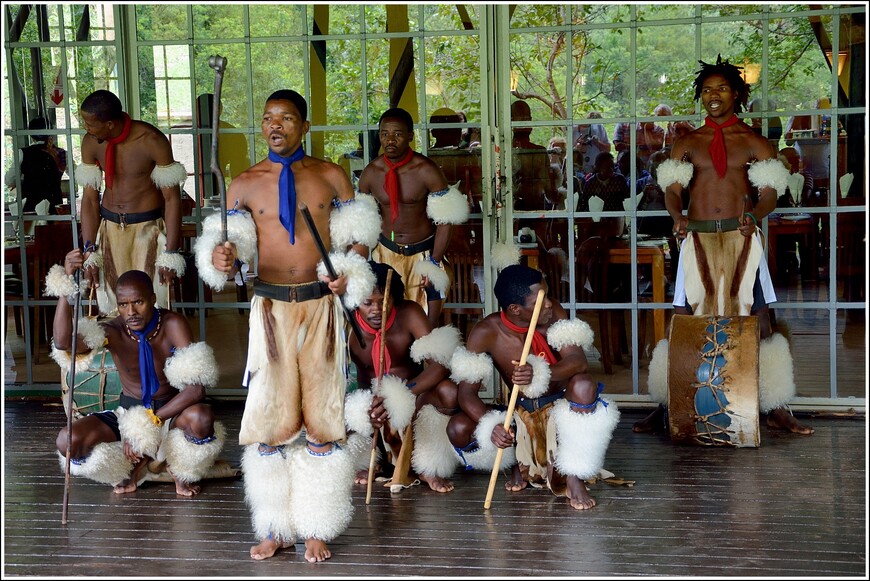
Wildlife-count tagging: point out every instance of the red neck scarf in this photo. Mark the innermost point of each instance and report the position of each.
(539, 344)
(391, 182)
(110, 150)
(717, 146)
(376, 348)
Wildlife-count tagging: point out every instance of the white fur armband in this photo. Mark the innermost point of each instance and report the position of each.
(447, 207)
(356, 411)
(241, 231)
(94, 336)
(360, 278)
(438, 345)
(570, 332)
(89, 175)
(60, 284)
(94, 259)
(673, 171)
(469, 367)
(356, 221)
(504, 254)
(770, 173)
(540, 377)
(173, 261)
(137, 428)
(398, 400)
(167, 176)
(192, 365)
(434, 272)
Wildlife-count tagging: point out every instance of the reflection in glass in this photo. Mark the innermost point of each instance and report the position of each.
(851, 353)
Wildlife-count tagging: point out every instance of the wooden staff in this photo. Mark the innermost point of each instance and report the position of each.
(514, 394)
(219, 64)
(71, 391)
(382, 360)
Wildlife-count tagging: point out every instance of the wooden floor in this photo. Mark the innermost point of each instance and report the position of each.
(796, 506)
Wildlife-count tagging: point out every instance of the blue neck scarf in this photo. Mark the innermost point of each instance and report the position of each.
(147, 373)
(287, 191)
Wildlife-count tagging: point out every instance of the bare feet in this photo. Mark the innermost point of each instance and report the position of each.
(267, 548)
(186, 489)
(655, 422)
(361, 477)
(781, 419)
(437, 483)
(516, 482)
(578, 495)
(130, 484)
(316, 551)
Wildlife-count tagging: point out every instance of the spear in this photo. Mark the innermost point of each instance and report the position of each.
(219, 64)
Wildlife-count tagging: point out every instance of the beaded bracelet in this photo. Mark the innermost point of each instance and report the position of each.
(750, 214)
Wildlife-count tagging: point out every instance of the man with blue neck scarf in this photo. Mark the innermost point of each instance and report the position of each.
(297, 487)
(164, 375)
(562, 424)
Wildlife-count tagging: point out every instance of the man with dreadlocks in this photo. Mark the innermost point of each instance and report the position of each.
(720, 163)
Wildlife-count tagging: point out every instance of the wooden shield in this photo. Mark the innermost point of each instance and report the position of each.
(713, 381)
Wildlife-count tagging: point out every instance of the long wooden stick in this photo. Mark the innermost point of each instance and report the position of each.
(514, 394)
(71, 384)
(382, 361)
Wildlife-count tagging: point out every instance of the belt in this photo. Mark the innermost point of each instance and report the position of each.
(289, 293)
(707, 226)
(408, 249)
(533, 404)
(132, 217)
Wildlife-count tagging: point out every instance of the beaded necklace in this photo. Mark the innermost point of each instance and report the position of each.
(152, 335)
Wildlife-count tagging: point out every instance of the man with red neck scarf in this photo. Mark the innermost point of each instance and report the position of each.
(418, 211)
(720, 163)
(135, 223)
(562, 424)
(414, 386)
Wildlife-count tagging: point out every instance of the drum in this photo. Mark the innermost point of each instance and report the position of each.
(97, 389)
(713, 381)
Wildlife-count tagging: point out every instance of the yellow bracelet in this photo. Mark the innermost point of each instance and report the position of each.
(157, 421)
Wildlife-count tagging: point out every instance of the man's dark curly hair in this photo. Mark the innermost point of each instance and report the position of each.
(731, 73)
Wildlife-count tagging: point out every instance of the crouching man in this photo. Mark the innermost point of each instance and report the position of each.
(163, 374)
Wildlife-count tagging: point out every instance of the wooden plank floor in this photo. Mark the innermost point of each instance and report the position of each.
(794, 507)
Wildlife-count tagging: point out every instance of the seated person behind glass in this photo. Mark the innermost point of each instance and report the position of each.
(612, 188)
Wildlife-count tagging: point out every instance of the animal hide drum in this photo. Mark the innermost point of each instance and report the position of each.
(713, 381)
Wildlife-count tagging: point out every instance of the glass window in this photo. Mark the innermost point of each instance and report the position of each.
(162, 22)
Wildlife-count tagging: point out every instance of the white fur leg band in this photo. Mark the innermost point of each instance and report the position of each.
(582, 439)
(192, 365)
(484, 457)
(172, 261)
(137, 428)
(94, 336)
(433, 453)
(657, 381)
(268, 492)
(105, 464)
(241, 231)
(769, 173)
(469, 367)
(89, 175)
(356, 221)
(360, 278)
(504, 254)
(570, 332)
(437, 346)
(360, 448)
(448, 206)
(540, 377)
(320, 505)
(776, 385)
(398, 401)
(356, 412)
(167, 176)
(434, 272)
(672, 171)
(189, 459)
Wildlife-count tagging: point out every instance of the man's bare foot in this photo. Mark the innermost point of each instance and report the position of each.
(186, 489)
(267, 548)
(655, 422)
(130, 484)
(578, 495)
(781, 419)
(437, 483)
(316, 551)
(516, 482)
